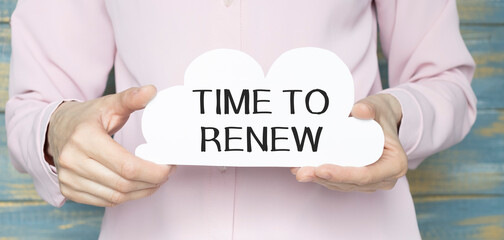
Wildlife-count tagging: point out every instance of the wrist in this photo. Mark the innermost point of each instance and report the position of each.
(48, 143)
(47, 152)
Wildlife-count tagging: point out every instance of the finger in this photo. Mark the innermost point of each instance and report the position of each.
(80, 184)
(386, 185)
(385, 168)
(339, 174)
(112, 155)
(84, 198)
(76, 161)
(363, 109)
(305, 174)
(132, 99)
(93, 170)
(294, 170)
(347, 187)
(374, 173)
(392, 164)
(342, 187)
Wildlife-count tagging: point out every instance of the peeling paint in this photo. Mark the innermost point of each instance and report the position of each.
(66, 226)
(478, 11)
(21, 204)
(443, 179)
(72, 225)
(4, 84)
(492, 232)
(485, 72)
(440, 198)
(497, 219)
(494, 129)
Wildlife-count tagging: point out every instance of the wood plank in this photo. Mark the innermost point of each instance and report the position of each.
(5, 43)
(475, 166)
(459, 218)
(5, 53)
(6, 8)
(37, 220)
(487, 47)
(481, 11)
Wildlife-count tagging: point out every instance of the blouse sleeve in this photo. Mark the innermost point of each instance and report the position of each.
(430, 72)
(61, 50)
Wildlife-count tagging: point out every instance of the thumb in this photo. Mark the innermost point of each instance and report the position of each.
(363, 109)
(133, 99)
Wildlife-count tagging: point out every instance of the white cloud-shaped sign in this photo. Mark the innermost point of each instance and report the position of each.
(229, 114)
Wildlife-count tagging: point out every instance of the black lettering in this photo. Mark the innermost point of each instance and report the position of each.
(263, 145)
(214, 139)
(326, 101)
(307, 131)
(274, 138)
(292, 92)
(228, 138)
(257, 100)
(202, 99)
(228, 98)
(217, 100)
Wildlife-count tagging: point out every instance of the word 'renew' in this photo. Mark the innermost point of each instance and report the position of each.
(253, 102)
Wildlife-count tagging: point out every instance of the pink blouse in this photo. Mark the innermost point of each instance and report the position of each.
(65, 49)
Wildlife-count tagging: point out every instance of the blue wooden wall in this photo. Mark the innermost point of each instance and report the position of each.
(458, 193)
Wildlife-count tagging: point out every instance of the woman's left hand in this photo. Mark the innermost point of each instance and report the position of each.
(383, 174)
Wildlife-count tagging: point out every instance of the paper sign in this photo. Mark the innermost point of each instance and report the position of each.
(229, 114)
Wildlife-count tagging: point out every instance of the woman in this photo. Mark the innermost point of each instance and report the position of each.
(63, 51)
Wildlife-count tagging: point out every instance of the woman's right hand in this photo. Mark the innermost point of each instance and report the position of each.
(93, 168)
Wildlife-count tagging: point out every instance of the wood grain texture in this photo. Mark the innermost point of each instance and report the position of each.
(473, 167)
(481, 11)
(37, 220)
(458, 193)
(5, 53)
(459, 218)
(6, 8)
(486, 44)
